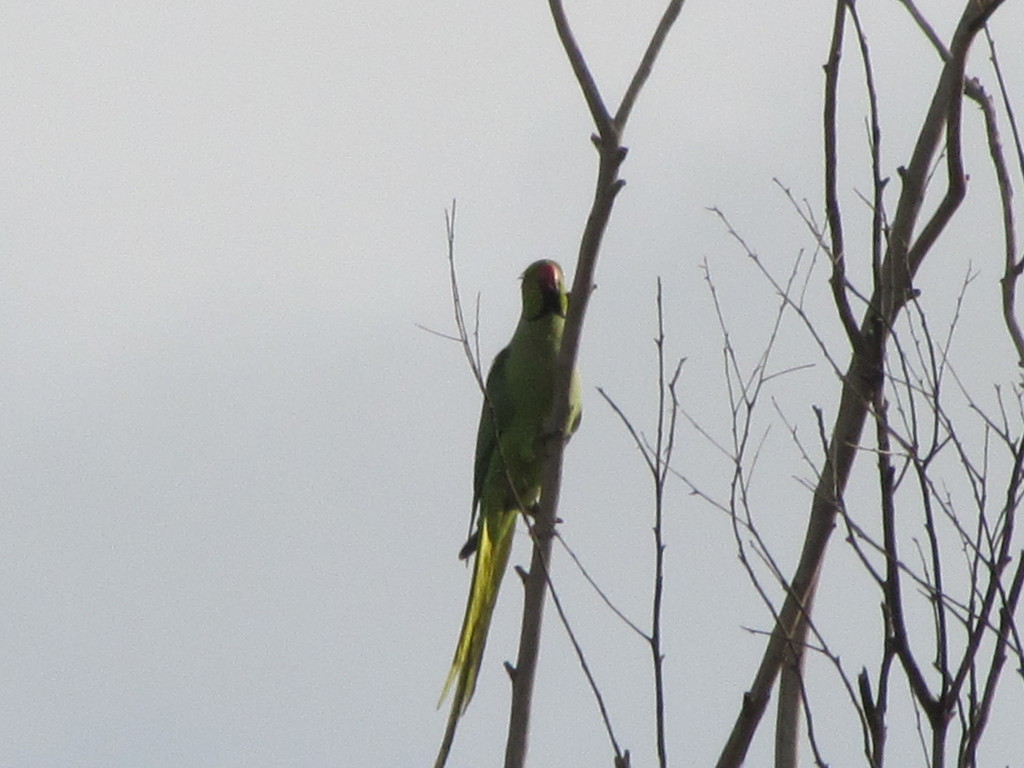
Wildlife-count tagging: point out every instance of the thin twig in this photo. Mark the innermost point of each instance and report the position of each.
(600, 592)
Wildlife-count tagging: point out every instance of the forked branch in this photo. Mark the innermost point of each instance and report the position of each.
(611, 153)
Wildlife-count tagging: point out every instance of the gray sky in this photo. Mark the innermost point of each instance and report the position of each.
(236, 474)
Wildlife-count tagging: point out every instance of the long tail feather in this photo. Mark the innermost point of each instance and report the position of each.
(495, 543)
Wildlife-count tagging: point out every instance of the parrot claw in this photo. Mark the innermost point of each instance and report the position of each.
(511, 671)
(470, 546)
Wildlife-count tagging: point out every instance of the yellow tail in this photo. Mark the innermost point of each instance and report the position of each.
(488, 569)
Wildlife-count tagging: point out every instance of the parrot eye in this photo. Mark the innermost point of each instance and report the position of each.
(548, 275)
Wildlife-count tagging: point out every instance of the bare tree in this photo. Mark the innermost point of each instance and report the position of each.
(896, 379)
(878, 362)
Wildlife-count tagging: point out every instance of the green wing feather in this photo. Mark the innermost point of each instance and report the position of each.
(495, 415)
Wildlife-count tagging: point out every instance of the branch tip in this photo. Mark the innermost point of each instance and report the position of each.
(521, 572)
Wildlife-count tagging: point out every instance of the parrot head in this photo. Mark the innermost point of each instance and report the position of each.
(544, 290)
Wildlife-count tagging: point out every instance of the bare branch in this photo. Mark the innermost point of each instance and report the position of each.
(1013, 267)
(878, 225)
(833, 212)
(647, 63)
(610, 156)
(600, 592)
(598, 111)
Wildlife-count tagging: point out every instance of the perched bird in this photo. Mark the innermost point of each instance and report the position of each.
(507, 472)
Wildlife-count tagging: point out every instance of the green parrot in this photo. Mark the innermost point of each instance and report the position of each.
(506, 476)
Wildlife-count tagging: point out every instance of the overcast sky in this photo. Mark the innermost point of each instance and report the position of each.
(235, 473)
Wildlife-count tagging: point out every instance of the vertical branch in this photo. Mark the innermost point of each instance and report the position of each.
(941, 662)
(659, 544)
(1012, 266)
(832, 209)
(791, 700)
(791, 683)
(893, 593)
(664, 444)
(611, 153)
(1007, 105)
(608, 186)
(877, 182)
(658, 460)
(876, 708)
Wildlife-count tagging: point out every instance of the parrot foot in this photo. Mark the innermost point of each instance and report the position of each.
(470, 546)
